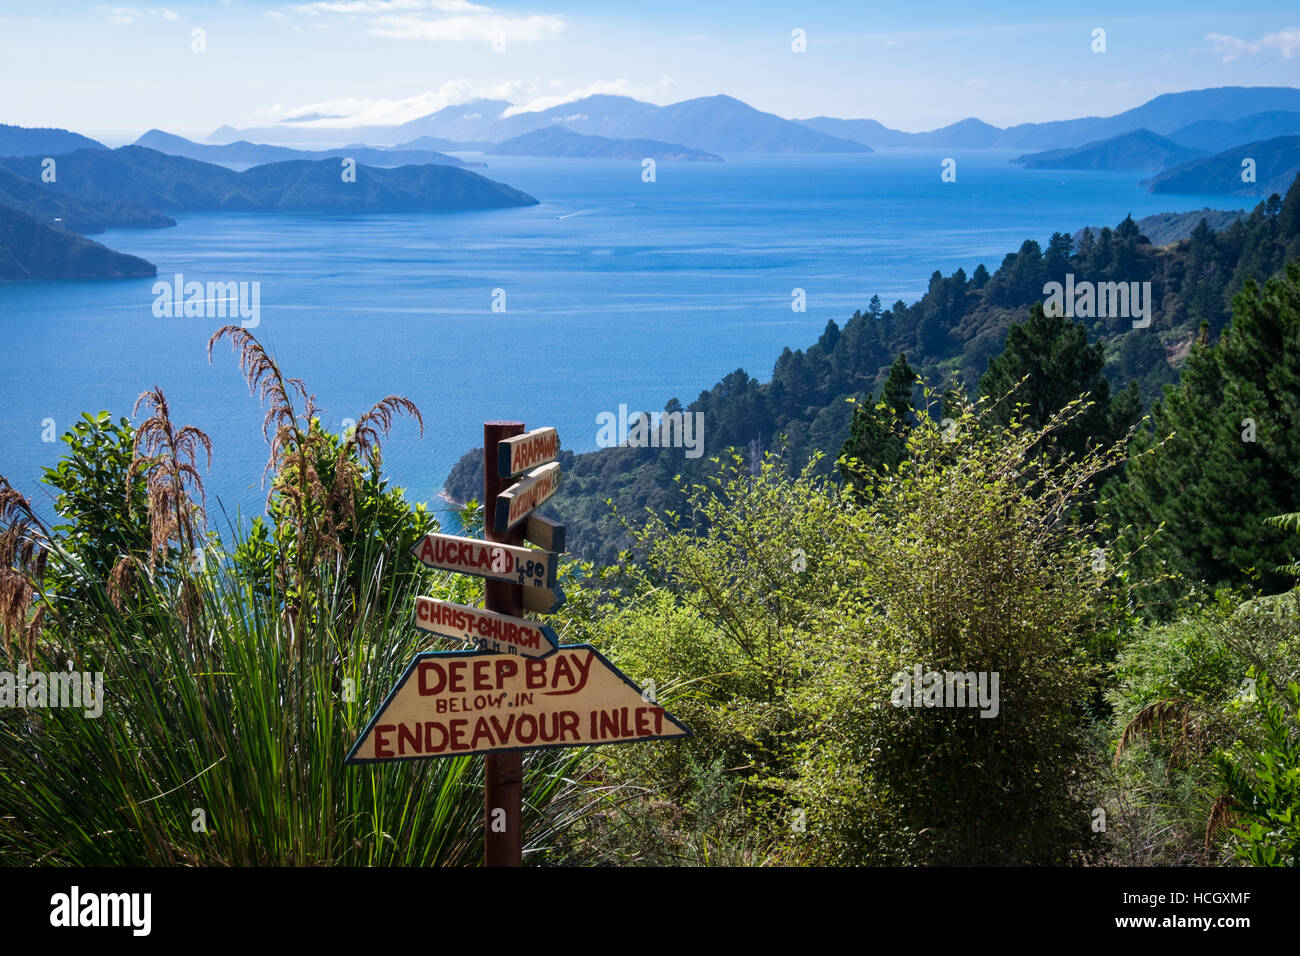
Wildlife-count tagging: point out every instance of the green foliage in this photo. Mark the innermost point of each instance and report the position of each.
(803, 606)
(1181, 694)
(1264, 783)
(101, 507)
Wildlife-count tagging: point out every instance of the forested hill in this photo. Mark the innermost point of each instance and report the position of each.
(955, 328)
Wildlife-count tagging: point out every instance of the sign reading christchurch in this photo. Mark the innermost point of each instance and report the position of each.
(466, 702)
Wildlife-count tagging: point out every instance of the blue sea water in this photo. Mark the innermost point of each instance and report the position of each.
(617, 291)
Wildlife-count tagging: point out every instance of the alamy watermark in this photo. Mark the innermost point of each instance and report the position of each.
(651, 430)
(35, 689)
(920, 688)
(215, 300)
(1100, 300)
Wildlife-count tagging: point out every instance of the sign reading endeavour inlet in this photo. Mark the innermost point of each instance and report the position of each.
(465, 702)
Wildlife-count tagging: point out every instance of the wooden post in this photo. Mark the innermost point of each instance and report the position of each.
(503, 772)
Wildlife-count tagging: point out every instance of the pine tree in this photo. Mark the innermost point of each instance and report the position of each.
(878, 433)
(1234, 458)
(1053, 355)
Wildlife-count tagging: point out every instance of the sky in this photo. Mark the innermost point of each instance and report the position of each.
(114, 70)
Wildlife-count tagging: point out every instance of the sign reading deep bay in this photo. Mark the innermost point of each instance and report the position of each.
(467, 702)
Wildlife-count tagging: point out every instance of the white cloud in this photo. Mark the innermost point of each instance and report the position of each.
(375, 6)
(453, 20)
(619, 87)
(1286, 42)
(480, 27)
(365, 111)
(131, 14)
(122, 14)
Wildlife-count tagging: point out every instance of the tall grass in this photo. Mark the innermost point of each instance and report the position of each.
(238, 720)
(233, 690)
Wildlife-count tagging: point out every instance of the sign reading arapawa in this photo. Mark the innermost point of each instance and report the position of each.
(490, 630)
(527, 451)
(466, 702)
(488, 559)
(526, 495)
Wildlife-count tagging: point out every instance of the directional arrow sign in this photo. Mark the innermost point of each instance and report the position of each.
(535, 448)
(544, 533)
(488, 559)
(490, 630)
(465, 702)
(543, 600)
(526, 495)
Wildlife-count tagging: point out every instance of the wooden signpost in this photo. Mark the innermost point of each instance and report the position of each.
(520, 690)
(527, 495)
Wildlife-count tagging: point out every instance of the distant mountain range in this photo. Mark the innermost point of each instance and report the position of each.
(1166, 115)
(1140, 150)
(723, 124)
(445, 145)
(99, 188)
(716, 124)
(557, 141)
(243, 154)
(158, 181)
(27, 141)
(60, 208)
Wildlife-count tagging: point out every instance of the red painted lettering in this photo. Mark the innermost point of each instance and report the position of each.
(456, 678)
(526, 728)
(408, 735)
(381, 746)
(481, 729)
(431, 678)
(505, 669)
(503, 733)
(430, 747)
